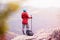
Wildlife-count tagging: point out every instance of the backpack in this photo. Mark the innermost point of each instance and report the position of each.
(29, 33)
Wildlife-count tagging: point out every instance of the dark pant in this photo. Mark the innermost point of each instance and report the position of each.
(23, 26)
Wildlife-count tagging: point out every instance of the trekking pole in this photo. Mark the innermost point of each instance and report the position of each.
(31, 23)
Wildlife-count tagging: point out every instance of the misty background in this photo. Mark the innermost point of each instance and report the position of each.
(45, 16)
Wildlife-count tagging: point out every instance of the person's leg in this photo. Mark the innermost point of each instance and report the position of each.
(27, 27)
(23, 26)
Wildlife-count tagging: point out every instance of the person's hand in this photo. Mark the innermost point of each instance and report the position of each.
(31, 17)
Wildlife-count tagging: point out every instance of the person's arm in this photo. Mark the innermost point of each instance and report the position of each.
(29, 17)
(22, 15)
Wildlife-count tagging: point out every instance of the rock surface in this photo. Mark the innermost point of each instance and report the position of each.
(39, 35)
(8, 36)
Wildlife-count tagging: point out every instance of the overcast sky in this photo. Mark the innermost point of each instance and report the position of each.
(37, 3)
(43, 3)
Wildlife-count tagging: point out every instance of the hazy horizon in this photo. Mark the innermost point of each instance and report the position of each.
(44, 18)
(45, 13)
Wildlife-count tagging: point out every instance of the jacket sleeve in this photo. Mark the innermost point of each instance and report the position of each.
(22, 15)
(29, 17)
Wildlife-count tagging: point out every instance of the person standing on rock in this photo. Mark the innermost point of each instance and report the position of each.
(25, 18)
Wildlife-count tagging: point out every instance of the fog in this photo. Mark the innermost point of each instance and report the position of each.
(43, 18)
(45, 15)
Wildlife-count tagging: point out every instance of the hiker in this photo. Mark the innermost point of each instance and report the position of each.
(25, 18)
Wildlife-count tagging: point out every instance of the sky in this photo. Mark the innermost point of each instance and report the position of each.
(43, 3)
(37, 3)
(5, 1)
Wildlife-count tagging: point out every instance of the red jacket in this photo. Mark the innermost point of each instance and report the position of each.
(25, 18)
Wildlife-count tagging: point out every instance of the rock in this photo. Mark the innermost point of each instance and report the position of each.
(8, 36)
(24, 37)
